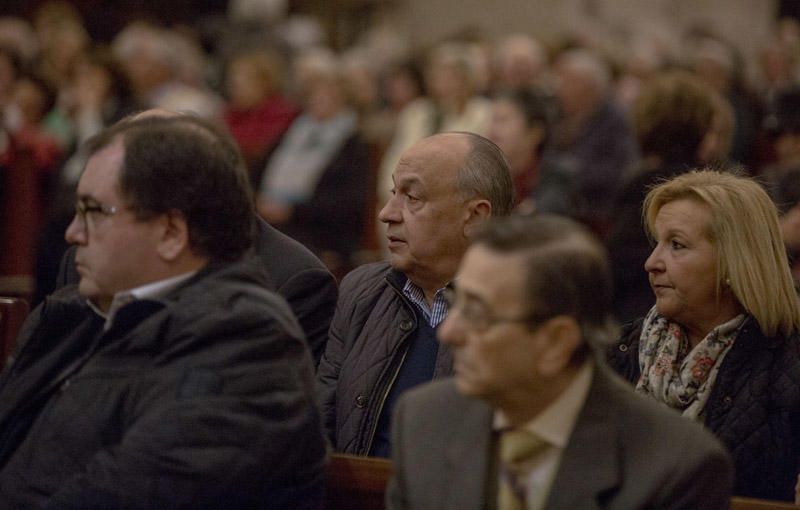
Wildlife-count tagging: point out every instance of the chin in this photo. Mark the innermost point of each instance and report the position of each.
(88, 289)
(398, 262)
(468, 389)
(665, 310)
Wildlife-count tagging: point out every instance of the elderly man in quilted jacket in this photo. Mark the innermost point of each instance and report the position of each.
(382, 339)
(168, 377)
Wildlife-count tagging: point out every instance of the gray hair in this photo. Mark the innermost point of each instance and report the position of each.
(486, 174)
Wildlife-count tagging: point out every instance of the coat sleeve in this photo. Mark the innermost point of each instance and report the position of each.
(330, 367)
(705, 482)
(224, 419)
(312, 297)
(343, 327)
(396, 492)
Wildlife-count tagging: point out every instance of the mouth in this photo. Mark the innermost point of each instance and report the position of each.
(394, 240)
(79, 267)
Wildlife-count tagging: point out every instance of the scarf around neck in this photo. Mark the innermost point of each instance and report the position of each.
(676, 374)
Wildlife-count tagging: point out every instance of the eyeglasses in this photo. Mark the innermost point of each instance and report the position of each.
(478, 317)
(86, 206)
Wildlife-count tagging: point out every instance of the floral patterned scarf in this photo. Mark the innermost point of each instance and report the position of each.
(673, 373)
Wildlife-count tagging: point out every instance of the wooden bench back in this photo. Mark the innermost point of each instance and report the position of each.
(357, 483)
(12, 314)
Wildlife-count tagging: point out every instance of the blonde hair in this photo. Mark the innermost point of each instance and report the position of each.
(751, 258)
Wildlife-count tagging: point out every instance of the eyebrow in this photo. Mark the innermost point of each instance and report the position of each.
(408, 181)
(87, 196)
(472, 297)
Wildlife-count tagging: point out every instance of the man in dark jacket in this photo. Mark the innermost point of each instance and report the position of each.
(293, 272)
(169, 377)
(382, 338)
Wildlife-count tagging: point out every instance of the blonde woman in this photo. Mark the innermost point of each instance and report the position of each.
(721, 343)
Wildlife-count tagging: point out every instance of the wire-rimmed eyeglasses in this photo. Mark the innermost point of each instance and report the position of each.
(86, 206)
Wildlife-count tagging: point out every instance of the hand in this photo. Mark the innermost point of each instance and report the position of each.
(274, 212)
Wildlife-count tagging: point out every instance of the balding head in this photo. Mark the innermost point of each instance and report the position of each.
(445, 186)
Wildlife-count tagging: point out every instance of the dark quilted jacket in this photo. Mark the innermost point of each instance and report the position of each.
(754, 407)
(367, 342)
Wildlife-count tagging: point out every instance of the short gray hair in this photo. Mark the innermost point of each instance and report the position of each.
(486, 174)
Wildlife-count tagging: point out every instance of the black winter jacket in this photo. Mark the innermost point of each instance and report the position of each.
(201, 399)
(754, 407)
(367, 342)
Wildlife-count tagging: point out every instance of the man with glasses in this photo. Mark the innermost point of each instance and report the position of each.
(169, 377)
(293, 271)
(532, 419)
(382, 337)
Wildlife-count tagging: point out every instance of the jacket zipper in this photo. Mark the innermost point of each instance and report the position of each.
(383, 402)
(379, 410)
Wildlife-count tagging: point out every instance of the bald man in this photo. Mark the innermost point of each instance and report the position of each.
(382, 340)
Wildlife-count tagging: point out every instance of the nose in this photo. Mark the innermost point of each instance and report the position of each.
(654, 262)
(76, 231)
(390, 213)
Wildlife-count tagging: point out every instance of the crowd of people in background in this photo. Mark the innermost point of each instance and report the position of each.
(584, 123)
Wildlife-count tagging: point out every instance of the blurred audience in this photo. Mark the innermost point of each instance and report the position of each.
(717, 63)
(161, 67)
(314, 187)
(592, 133)
(257, 113)
(520, 63)
(520, 124)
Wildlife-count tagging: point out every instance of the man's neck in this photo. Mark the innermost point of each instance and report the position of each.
(521, 405)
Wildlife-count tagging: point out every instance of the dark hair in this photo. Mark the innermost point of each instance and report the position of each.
(568, 271)
(13, 57)
(182, 163)
(672, 117)
(783, 116)
(486, 174)
(48, 93)
(785, 190)
(536, 107)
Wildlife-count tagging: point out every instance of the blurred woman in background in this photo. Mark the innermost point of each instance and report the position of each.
(520, 123)
(315, 184)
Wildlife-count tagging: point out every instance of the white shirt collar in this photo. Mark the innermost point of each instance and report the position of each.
(152, 290)
(555, 423)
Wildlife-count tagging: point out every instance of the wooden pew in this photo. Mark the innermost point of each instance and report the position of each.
(356, 483)
(12, 314)
(759, 504)
(359, 483)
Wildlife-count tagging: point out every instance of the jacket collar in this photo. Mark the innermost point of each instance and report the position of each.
(590, 465)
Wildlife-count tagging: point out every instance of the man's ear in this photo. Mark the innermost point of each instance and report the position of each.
(478, 212)
(174, 236)
(562, 337)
